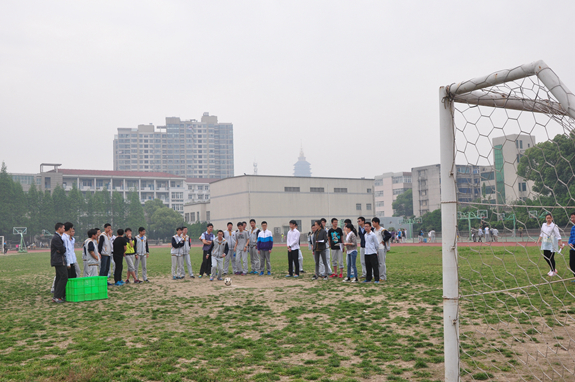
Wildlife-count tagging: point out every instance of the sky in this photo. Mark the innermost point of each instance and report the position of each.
(355, 83)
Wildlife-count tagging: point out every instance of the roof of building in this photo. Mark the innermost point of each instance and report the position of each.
(290, 177)
(131, 174)
(201, 180)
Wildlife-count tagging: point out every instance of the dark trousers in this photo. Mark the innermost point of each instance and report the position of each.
(317, 256)
(61, 281)
(371, 264)
(550, 258)
(105, 265)
(293, 259)
(118, 267)
(572, 261)
(72, 272)
(206, 263)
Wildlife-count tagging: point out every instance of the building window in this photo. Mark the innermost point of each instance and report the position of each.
(208, 216)
(379, 204)
(316, 189)
(378, 193)
(193, 216)
(378, 182)
(291, 189)
(368, 206)
(369, 190)
(340, 190)
(522, 186)
(187, 217)
(358, 206)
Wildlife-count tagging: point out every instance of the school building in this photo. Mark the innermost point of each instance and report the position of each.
(279, 199)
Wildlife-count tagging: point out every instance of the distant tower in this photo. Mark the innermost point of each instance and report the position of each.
(255, 168)
(302, 167)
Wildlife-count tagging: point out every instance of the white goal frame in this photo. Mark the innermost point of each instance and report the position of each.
(469, 92)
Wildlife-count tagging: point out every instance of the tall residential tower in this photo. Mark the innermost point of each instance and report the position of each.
(194, 149)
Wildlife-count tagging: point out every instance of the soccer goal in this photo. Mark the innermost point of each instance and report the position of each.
(508, 160)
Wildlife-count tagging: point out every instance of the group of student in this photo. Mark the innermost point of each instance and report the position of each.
(242, 246)
(223, 248)
(99, 251)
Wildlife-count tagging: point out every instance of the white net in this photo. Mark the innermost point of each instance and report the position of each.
(514, 164)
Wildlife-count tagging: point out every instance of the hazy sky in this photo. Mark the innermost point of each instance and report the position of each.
(355, 82)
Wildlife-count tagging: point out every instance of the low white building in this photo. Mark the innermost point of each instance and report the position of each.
(279, 199)
(388, 186)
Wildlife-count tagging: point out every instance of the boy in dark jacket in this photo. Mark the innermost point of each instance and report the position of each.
(320, 240)
(58, 261)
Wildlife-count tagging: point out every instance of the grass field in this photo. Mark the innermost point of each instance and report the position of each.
(271, 328)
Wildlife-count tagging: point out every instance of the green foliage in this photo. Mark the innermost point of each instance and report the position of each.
(403, 205)
(150, 208)
(164, 222)
(429, 221)
(135, 218)
(195, 230)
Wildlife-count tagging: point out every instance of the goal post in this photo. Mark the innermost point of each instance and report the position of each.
(521, 95)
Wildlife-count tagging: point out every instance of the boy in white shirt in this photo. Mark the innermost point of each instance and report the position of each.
(292, 243)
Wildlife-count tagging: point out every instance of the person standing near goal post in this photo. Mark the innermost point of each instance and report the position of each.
(335, 235)
(219, 251)
(320, 243)
(361, 233)
(177, 255)
(371, 261)
(208, 241)
(230, 235)
(105, 249)
(292, 242)
(383, 237)
(572, 246)
(265, 245)
(550, 242)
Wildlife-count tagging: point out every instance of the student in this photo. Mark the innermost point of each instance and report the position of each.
(119, 247)
(335, 235)
(292, 243)
(219, 251)
(230, 235)
(58, 261)
(550, 239)
(105, 249)
(207, 239)
(91, 254)
(351, 249)
(72, 267)
(186, 252)
(361, 234)
(320, 240)
(130, 257)
(323, 270)
(571, 243)
(177, 255)
(241, 249)
(69, 242)
(142, 253)
(253, 251)
(265, 245)
(371, 262)
(383, 237)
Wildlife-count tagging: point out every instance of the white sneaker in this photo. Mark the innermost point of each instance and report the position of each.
(346, 280)
(555, 273)
(550, 273)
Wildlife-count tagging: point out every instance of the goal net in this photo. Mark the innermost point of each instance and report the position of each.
(507, 162)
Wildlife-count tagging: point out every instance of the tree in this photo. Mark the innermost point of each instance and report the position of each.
(135, 217)
(20, 205)
(550, 166)
(76, 210)
(164, 223)
(150, 208)
(429, 221)
(119, 210)
(6, 202)
(47, 213)
(403, 205)
(33, 214)
(61, 206)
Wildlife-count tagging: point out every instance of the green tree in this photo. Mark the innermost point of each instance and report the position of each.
(99, 210)
(150, 208)
(195, 230)
(34, 202)
(119, 210)
(403, 205)
(76, 209)
(61, 206)
(164, 223)
(47, 213)
(20, 205)
(7, 220)
(135, 217)
(549, 165)
(429, 221)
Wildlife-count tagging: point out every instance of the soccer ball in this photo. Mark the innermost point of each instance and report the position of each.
(228, 281)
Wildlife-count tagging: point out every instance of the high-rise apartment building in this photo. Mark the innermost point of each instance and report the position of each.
(192, 149)
(387, 187)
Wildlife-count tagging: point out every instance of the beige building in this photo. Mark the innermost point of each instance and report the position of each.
(387, 187)
(278, 199)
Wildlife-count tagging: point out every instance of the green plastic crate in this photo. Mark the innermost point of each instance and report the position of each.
(87, 288)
